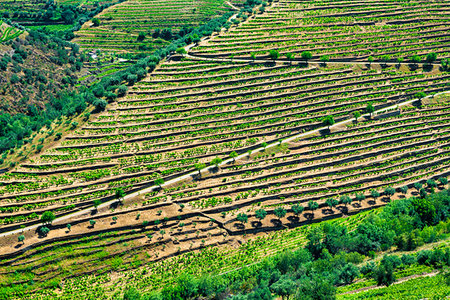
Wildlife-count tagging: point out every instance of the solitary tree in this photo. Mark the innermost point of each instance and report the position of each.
(370, 109)
(420, 95)
(280, 212)
(92, 222)
(360, 197)
(328, 121)
(297, 209)
(233, 155)
(114, 219)
(216, 161)
(120, 194)
(415, 59)
(389, 191)
(324, 59)
(431, 57)
(417, 186)
(370, 59)
(159, 182)
(290, 57)
(443, 180)
(306, 55)
(356, 115)
(95, 22)
(260, 214)
(274, 54)
(47, 217)
(199, 167)
(313, 205)
(44, 230)
(385, 58)
(241, 217)
(69, 227)
(404, 189)
(21, 238)
(431, 183)
(141, 36)
(331, 203)
(345, 200)
(181, 51)
(264, 145)
(97, 203)
(445, 64)
(253, 56)
(375, 194)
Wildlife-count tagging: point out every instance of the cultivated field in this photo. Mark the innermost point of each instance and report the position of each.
(121, 24)
(250, 103)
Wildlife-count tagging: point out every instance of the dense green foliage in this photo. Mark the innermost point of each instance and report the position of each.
(51, 12)
(15, 128)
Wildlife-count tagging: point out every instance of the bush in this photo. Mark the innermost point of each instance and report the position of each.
(131, 294)
(181, 51)
(48, 217)
(44, 230)
(14, 79)
(122, 90)
(425, 210)
(100, 105)
(96, 22)
(349, 273)
(431, 57)
(408, 259)
(274, 54)
(384, 274)
(306, 55)
(132, 79)
(368, 268)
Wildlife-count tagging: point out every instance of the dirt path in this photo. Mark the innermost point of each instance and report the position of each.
(401, 280)
(262, 61)
(231, 5)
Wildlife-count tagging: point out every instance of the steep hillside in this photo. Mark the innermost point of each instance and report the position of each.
(35, 69)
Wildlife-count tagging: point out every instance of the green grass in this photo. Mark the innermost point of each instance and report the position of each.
(419, 288)
(407, 271)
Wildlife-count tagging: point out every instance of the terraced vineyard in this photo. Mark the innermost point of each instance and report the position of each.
(121, 25)
(340, 30)
(42, 12)
(8, 32)
(256, 103)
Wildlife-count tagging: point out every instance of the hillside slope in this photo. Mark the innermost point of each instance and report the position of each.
(304, 112)
(34, 70)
